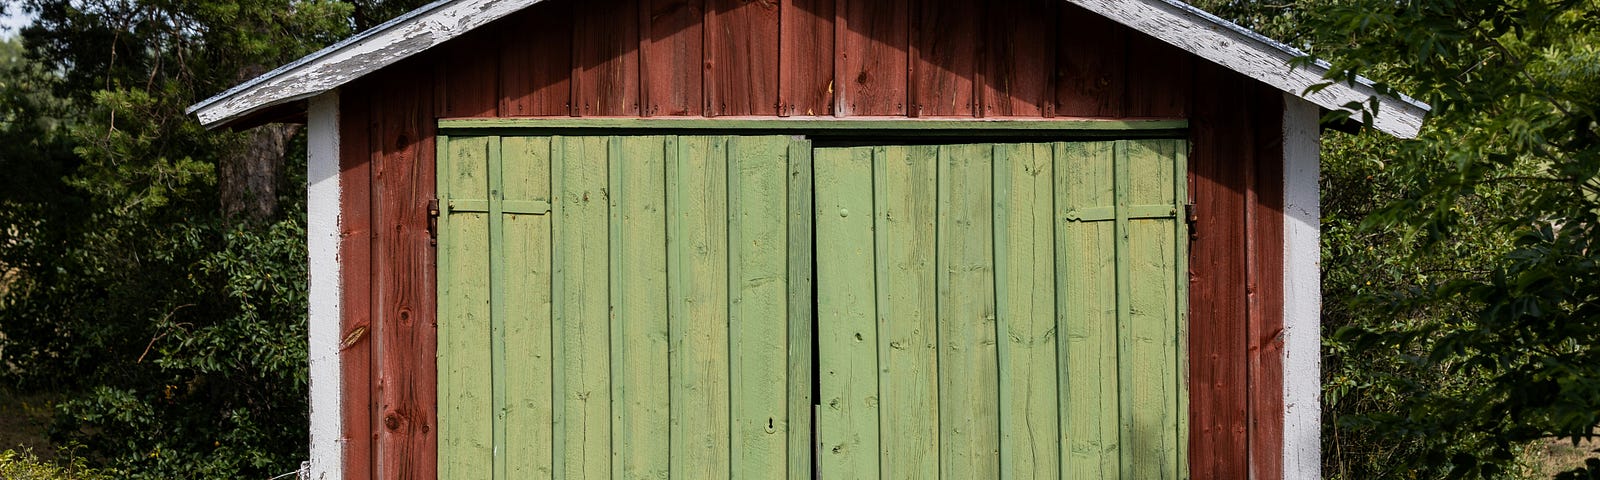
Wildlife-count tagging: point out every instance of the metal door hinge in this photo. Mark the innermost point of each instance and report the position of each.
(433, 222)
(1191, 219)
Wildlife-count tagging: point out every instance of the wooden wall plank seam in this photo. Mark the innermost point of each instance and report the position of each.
(355, 251)
(807, 58)
(801, 253)
(1265, 258)
(404, 308)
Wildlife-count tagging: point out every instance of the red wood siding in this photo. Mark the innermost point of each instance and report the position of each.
(355, 270)
(845, 58)
(944, 58)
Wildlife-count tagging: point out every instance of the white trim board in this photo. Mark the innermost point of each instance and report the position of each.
(325, 295)
(1256, 56)
(1171, 21)
(343, 62)
(1302, 293)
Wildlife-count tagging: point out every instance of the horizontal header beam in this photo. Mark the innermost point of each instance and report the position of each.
(829, 125)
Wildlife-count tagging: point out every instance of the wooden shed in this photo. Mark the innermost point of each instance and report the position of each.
(762, 239)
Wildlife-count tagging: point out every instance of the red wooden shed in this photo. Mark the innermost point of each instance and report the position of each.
(811, 238)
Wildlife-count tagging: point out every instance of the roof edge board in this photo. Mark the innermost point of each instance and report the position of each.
(355, 57)
(1258, 57)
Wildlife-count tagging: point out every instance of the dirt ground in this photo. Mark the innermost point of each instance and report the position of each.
(1550, 457)
(23, 422)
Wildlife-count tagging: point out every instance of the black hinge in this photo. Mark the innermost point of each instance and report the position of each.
(433, 221)
(1192, 219)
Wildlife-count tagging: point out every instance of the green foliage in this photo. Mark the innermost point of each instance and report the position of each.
(24, 465)
(177, 333)
(1497, 203)
(1459, 268)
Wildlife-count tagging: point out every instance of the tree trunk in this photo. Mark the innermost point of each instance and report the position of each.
(248, 179)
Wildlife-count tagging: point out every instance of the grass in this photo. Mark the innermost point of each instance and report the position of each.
(1549, 457)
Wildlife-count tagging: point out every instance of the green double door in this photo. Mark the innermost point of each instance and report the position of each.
(746, 306)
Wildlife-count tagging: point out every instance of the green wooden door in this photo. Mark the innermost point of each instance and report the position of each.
(1001, 310)
(624, 307)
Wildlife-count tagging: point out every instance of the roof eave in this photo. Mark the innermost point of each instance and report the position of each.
(1258, 57)
(354, 57)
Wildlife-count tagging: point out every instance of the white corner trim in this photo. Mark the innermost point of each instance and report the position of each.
(1254, 56)
(322, 232)
(1302, 292)
(348, 60)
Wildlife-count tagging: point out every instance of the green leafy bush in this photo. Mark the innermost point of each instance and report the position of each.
(24, 465)
(174, 329)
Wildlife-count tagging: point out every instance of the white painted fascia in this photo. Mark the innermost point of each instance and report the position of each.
(1302, 292)
(352, 58)
(324, 295)
(1256, 56)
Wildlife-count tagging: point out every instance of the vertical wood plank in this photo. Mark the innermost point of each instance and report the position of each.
(871, 76)
(1087, 347)
(947, 42)
(639, 329)
(536, 61)
(807, 57)
(1026, 276)
(466, 398)
(472, 76)
(1264, 212)
(848, 334)
(356, 282)
(583, 317)
(742, 57)
(800, 318)
(758, 240)
(1153, 320)
(405, 317)
(497, 325)
(1158, 78)
(1020, 76)
(527, 303)
(968, 403)
(1126, 409)
(699, 328)
(1218, 439)
(909, 318)
(671, 56)
(1091, 59)
(1180, 186)
(606, 73)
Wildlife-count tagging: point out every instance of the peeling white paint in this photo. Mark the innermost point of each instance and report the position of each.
(1254, 56)
(1302, 292)
(348, 60)
(322, 232)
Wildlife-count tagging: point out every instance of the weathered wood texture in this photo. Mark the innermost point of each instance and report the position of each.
(618, 307)
(1235, 361)
(713, 58)
(388, 350)
(836, 58)
(952, 269)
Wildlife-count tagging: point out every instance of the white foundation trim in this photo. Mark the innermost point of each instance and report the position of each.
(1302, 292)
(322, 232)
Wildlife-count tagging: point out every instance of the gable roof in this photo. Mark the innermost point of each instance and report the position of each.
(1171, 21)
